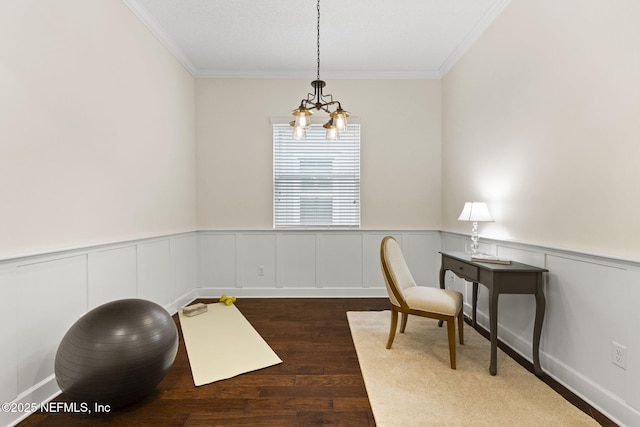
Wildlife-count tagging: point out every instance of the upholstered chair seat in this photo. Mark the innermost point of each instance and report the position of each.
(440, 301)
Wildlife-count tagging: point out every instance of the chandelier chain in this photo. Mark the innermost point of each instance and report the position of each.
(318, 42)
(319, 101)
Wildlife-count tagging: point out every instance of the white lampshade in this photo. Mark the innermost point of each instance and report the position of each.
(475, 212)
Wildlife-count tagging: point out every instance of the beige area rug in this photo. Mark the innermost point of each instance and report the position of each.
(412, 384)
(221, 344)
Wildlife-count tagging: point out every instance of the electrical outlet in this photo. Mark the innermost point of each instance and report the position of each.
(261, 270)
(619, 355)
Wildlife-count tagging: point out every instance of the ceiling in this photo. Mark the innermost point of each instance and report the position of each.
(417, 39)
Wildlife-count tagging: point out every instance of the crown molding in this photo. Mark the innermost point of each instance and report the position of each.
(310, 75)
(145, 17)
(473, 36)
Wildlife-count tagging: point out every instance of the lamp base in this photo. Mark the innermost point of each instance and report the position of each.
(474, 239)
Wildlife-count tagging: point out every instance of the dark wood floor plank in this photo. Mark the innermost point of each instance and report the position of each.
(329, 380)
(235, 419)
(319, 382)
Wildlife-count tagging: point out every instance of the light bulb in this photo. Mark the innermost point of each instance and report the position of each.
(303, 117)
(340, 121)
(332, 133)
(299, 133)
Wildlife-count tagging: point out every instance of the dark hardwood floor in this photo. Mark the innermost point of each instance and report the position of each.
(318, 383)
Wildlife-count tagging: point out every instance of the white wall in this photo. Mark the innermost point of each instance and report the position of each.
(400, 149)
(97, 138)
(540, 120)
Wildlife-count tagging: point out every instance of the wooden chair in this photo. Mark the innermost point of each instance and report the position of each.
(408, 298)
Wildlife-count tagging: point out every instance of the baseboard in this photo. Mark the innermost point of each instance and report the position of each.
(40, 393)
(293, 292)
(592, 392)
(182, 301)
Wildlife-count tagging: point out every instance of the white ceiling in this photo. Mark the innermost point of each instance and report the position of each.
(358, 38)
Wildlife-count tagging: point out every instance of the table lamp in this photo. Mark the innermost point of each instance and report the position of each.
(475, 212)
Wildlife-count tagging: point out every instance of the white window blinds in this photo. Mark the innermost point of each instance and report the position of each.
(316, 181)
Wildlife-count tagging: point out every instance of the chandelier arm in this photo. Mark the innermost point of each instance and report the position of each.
(309, 101)
(326, 97)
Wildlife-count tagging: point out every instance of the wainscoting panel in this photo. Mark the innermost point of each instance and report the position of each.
(257, 266)
(339, 260)
(57, 291)
(154, 272)
(217, 260)
(630, 306)
(296, 260)
(183, 269)
(591, 299)
(587, 299)
(453, 242)
(112, 275)
(307, 263)
(421, 258)
(590, 303)
(8, 336)
(43, 295)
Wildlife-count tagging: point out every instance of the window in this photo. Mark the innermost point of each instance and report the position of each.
(316, 181)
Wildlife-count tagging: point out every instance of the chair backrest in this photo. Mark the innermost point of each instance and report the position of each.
(395, 271)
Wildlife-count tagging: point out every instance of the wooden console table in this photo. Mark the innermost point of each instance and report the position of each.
(514, 278)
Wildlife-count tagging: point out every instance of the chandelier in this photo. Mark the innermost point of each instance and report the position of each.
(319, 101)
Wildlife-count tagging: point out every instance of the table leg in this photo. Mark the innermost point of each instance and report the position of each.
(493, 329)
(442, 272)
(474, 303)
(537, 327)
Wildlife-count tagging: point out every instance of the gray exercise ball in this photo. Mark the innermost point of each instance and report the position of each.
(117, 353)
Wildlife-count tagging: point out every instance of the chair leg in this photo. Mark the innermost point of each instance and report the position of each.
(461, 326)
(451, 331)
(394, 326)
(403, 326)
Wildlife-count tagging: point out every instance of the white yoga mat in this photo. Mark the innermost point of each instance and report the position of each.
(221, 344)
